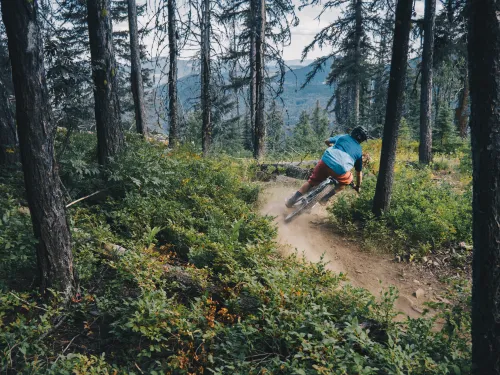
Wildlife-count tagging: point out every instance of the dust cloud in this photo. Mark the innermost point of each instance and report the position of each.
(311, 237)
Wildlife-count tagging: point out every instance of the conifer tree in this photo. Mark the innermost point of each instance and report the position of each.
(36, 130)
(263, 29)
(110, 138)
(350, 49)
(304, 138)
(275, 129)
(484, 60)
(395, 96)
(319, 122)
(425, 148)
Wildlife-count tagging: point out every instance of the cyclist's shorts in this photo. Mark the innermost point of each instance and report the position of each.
(321, 172)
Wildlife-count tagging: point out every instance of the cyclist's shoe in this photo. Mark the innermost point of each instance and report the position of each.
(293, 199)
(324, 200)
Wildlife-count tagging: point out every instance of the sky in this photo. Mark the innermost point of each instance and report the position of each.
(302, 35)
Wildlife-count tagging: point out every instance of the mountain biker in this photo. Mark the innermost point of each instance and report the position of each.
(337, 162)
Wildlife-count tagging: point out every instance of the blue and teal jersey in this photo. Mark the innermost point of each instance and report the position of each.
(343, 155)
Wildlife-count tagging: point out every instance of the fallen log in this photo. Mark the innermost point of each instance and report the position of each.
(299, 170)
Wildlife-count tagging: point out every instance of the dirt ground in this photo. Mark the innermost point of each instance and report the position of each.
(311, 235)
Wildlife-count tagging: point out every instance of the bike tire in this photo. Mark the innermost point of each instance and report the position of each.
(304, 207)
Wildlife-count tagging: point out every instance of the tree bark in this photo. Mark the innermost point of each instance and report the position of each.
(110, 138)
(260, 125)
(380, 88)
(449, 11)
(394, 108)
(253, 40)
(36, 131)
(437, 100)
(172, 75)
(461, 113)
(205, 79)
(136, 72)
(425, 147)
(484, 73)
(8, 139)
(357, 58)
(233, 73)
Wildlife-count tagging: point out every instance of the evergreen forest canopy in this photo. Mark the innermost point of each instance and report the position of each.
(129, 180)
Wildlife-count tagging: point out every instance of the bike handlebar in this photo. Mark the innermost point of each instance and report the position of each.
(335, 182)
(354, 187)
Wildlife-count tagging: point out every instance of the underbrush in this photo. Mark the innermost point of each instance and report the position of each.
(430, 206)
(178, 275)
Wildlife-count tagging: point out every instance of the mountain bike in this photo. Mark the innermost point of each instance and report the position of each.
(308, 201)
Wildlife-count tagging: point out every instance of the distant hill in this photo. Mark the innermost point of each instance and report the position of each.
(159, 69)
(294, 100)
(185, 67)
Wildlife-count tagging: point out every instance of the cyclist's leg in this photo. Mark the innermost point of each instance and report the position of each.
(318, 175)
(331, 193)
(303, 189)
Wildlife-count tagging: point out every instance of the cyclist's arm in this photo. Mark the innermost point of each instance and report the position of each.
(358, 165)
(331, 141)
(359, 179)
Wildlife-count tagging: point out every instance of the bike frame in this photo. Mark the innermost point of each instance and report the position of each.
(316, 191)
(309, 200)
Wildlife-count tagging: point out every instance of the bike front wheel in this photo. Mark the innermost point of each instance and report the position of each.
(309, 203)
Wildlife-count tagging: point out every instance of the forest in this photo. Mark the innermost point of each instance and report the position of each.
(147, 148)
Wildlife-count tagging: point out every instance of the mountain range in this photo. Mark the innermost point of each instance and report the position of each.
(293, 100)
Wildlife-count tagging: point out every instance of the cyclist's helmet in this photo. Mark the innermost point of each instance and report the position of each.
(359, 134)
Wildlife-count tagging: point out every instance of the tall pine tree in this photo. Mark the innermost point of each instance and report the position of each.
(395, 96)
(110, 138)
(36, 129)
(484, 63)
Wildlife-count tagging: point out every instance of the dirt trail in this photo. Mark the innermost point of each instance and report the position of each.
(309, 234)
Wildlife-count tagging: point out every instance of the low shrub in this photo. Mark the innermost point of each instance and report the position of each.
(441, 164)
(178, 275)
(425, 213)
(16, 237)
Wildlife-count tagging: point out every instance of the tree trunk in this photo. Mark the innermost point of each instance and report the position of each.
(357, 59)
(8, 139)
(253, 39)
(380, 88)
(394, 108)
(461, 113)
(172, 75)
(110, 138)
(234, 70)
(136, 72)
(260, 125)
(36, 131)
(437, 99)
(484, 73)
(449, 12)
(425, 147)
(205, 79)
